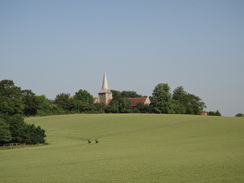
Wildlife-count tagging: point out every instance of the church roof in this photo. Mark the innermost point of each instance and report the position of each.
(109, 100)
(135, 101)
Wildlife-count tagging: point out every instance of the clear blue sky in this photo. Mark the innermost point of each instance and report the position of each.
(56, 46)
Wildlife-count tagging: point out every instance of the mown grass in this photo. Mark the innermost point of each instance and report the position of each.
(130, 148)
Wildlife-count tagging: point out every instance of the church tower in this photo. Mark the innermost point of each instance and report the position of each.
(105, 95)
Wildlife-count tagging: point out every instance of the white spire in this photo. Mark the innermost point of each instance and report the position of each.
(105, 82)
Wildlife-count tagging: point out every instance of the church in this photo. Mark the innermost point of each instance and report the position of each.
(106, 96)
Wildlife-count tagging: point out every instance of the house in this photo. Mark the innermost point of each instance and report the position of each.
(143, 100)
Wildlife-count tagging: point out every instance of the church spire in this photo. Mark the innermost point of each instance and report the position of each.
(105, 95)
(105, 82)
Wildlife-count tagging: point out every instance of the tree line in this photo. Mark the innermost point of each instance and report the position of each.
(16, 103)
(162, 101)
(13, 104)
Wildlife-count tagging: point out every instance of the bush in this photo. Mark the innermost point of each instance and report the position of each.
(239, 115)
(21, 132)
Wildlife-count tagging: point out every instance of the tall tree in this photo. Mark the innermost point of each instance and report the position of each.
(10, 98)
(161, 101)
(64, 101)
(84, 96)
(44, 106)
(30, 102)
(186, 103)
(180, 94)
(194, 104)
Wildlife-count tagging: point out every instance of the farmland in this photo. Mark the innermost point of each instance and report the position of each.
(130, 148)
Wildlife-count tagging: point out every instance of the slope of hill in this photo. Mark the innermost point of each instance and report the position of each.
(130, 148)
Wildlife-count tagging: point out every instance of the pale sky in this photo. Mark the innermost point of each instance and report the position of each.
(57, 46)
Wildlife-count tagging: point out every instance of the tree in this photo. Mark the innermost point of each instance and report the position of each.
(161, 101)
(64, 101)
(194, 104)
(45, 106)
(22, 132)
(178, 107)
(179, 100)
(5, 134)
(99, 107)
(30, 102)
(212, 113)
(119, 104)
(141, 108)
(124, 105)
(34, 135)
(186, 103)
(84, 96)
(180, 94)
(17, 128)
(239, 115)
(218, 113)
(10, 98)
(12, 103)
(130, 94)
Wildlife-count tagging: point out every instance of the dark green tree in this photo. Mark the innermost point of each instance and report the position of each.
(178, 107)
(194, 105)
(13, 101)
(141, 108)
(10, 98)
(124, 105)
(34, 135)
(99, 107)
(179, 100)
(84, 96)
(239, 115)
(185, 103)
(22, 132)
(30, 102)
(218, 113)
(119, 104)
(65, 101)
(161, 101)
(45, 106)
(180, 95)
(212, 113)
(5, 134)
(116, 94)
(130, 94)
(17, 128)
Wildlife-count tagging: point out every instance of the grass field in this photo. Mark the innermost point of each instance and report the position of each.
(130, 148)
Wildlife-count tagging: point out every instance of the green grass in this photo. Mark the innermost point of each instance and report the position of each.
(131, 148)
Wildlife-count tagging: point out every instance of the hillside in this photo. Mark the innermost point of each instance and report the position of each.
(130, 148)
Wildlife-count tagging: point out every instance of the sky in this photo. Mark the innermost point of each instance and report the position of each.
(62, 46)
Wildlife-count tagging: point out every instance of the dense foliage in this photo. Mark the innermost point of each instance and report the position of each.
(180, 102)
(17, 101)
(161, 101)
(212, 113)
(239, 115)
(13, 104)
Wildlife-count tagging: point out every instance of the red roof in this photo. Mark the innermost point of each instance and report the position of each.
(109, 100)
(135, 101)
